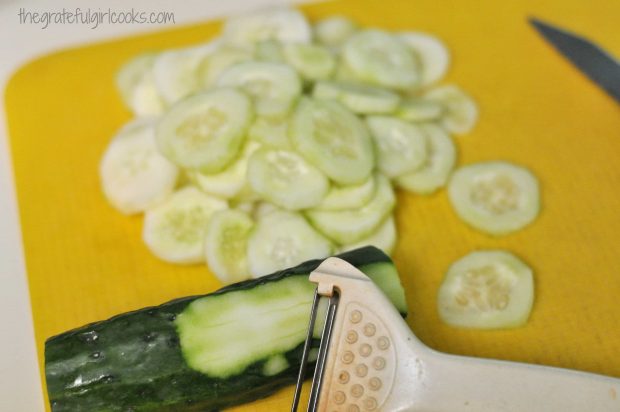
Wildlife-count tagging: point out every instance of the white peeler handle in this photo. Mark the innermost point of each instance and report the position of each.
(447, 383)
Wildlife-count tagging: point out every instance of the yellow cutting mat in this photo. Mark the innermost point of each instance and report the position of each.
(86, 262)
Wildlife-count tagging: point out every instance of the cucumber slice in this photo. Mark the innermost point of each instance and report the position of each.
(434, 56)
(440, 160)
(284, 178)
(401, 146)
(332, 138)
(136, 84)
(495, 197)
(270, 51)
(333, 31)
(273, 86)
(226, 244)
(174, 231)
(383, 238)
(420, 110)
(217, 62)
(270, 131)
(176, 71)
(460, 111)
(487, 290)
(229, 182)
(134, 176)
(281, 24)
(359, 98)
(205, 131)
(353, 225)
(313, 62)
(380, 58)
(263, 209)
(282, 239)
(348, 197)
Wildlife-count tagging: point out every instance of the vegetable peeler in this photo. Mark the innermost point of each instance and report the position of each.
(369, 360)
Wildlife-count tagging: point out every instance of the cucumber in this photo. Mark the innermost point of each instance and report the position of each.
(174, 230)
(380, 58)
(401, 146)
(217, 62)
(383, 238)
(348, 197)
(359, 98)
(352, 225)
(332, 138)
(281, 24)
(460, 112)
(136, 85)
(134, 176)
(284, 178)
(274, 87)
(488, 289)
(270, 131)
(139, 360)
(312, 61)
(420, 110)
(205, 131)
(282, 239)
(434, 56)
(269, 51)
(231, 181)
(333, 31)
(495, 197)
(176, 71)
(226, 244)
(440, 160)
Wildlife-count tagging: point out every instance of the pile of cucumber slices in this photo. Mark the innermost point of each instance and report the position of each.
(282, 141)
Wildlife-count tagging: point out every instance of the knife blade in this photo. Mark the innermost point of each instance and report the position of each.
(600, 66)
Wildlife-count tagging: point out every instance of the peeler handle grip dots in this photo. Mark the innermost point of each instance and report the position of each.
(373, 362)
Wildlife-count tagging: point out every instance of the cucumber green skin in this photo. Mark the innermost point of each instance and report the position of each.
(133, 362)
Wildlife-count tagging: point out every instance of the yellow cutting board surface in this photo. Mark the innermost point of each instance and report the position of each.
(86, 262)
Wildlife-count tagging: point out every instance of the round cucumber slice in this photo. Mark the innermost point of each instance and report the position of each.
(359, 98)
(281, 24)
(401, 146)
(226, 244)
(383, 238)
(229, 182)
(332, 138)
(176, 71)
(270, 131)
(352, 225)
(217, 62)
(460, 112)
(205, 131)
(284, 178)
(490, 289)
(263, 209)
(420, 110)
(313, 62)
(281, 240)
(174, 231)
(136, 84)
(333, 31)
(495, 197)
(434, 56)
(380, 58)
(134, 176)
(270, 51)
(274, 87)
(440, 160)
(348, 197)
